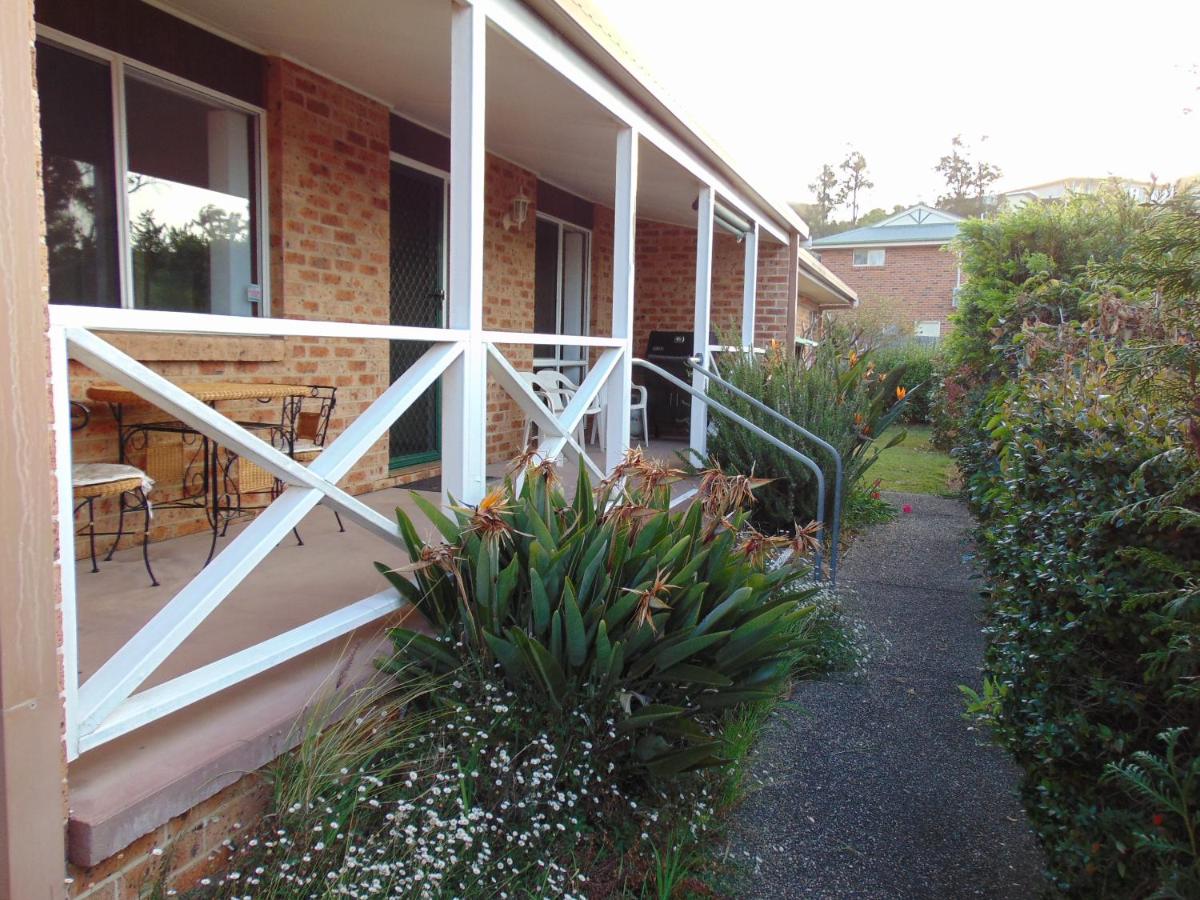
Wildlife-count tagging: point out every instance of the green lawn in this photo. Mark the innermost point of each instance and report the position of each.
(913, 466)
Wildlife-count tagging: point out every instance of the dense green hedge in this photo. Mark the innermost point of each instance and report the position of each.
(1079, 652)
(918, 362)
(1075, 410)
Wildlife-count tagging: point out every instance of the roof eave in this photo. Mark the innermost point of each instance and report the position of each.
(564, 17)
(829, 291)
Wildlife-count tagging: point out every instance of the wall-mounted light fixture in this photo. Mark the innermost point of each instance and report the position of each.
(518, 212)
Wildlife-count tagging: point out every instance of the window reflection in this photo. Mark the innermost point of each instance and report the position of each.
(75, 96)
(190, 184)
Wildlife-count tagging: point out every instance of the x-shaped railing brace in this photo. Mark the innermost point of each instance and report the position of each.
(308, 485)
(562, 428)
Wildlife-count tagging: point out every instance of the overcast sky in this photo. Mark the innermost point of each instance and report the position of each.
(1059, 88)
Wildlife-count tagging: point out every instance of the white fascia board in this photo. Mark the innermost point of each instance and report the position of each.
(824, 293)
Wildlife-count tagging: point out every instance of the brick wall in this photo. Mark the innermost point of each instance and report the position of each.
(771, 301)
(602, 270)
(915, 284)
(665, 284)
(328, 164)
(508, 271)
(177, 855)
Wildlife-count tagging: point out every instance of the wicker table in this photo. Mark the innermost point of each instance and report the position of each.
(208, 391)
(210, 487)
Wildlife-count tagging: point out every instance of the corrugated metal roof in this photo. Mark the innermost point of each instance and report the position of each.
(891, 234)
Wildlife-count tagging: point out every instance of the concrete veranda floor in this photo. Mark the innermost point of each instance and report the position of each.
(875, 786)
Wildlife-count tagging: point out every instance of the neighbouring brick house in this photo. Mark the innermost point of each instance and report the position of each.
(281, 193)
(900, 268)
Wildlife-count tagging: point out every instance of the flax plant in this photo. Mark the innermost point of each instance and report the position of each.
(610, 604)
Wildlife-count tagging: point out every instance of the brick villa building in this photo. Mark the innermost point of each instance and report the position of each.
(219, 216)
(901, 268)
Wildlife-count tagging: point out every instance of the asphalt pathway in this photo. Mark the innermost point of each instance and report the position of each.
(873, 785)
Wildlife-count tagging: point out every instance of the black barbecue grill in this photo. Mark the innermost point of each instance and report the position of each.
(670, 408)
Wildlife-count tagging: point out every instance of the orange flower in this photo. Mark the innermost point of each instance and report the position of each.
(650, 600)
(853, 358)
(490, 518)
(901, 393)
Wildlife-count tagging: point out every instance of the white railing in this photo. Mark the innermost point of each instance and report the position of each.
(106, 706)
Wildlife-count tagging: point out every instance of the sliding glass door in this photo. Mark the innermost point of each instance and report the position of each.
(561, 294)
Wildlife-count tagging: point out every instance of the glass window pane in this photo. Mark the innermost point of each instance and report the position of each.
(190, 185)
(75, 94)
(574, 298)
(545, 281)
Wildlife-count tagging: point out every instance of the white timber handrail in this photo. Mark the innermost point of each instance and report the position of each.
(109, 704)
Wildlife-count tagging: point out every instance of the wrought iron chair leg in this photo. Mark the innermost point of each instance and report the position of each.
(146, 536)
(120, 529)
(212, 548)
(299, 540)
(92, 532)
(338, 516)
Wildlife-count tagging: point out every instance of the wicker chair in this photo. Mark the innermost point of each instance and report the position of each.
(301, 433)
(128, 484)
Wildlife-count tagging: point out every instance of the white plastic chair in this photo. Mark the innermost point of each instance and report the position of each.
(638, 405)
(558, 391)
(555, 400)
(530, 379)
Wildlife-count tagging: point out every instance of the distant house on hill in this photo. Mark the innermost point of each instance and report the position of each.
(900, 267)
(1140, 191)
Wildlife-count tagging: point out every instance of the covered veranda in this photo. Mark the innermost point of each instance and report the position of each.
(172, 691)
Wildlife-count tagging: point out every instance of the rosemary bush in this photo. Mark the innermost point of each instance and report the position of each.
(842, 396)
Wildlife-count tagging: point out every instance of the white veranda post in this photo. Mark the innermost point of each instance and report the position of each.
(464, 386)
(698, 438)
(624, 225)
(750, 287)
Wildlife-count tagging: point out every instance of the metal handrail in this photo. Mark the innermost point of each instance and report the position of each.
(759, 432)
(838, 476)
